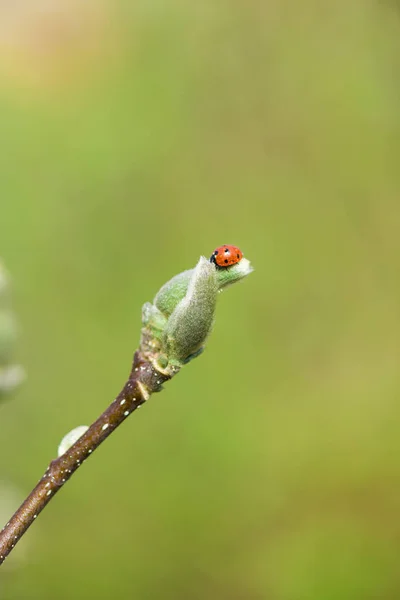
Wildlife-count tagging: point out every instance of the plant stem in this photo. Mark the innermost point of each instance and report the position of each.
(175, 329)
(144, 379)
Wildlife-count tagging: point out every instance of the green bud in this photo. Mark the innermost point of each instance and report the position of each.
(190, 324)
(177, 324)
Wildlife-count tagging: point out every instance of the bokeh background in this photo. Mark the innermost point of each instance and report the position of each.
(135, 137)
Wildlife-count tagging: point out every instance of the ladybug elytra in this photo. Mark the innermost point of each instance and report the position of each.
(225, 256)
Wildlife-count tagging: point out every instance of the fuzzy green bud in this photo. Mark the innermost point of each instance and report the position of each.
(190, 324)
(177, 324)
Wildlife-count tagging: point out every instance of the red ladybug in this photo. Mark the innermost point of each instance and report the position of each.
(225, 256)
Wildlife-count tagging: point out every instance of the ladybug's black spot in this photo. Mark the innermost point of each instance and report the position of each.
(226, 261)
(226, 250)
(238, 255)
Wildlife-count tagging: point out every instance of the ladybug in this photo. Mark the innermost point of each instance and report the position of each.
(226, 256)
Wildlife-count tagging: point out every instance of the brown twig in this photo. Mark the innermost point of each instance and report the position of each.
(144, 379)
(175, 329)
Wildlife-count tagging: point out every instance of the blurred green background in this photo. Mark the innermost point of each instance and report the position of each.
(135, 137)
